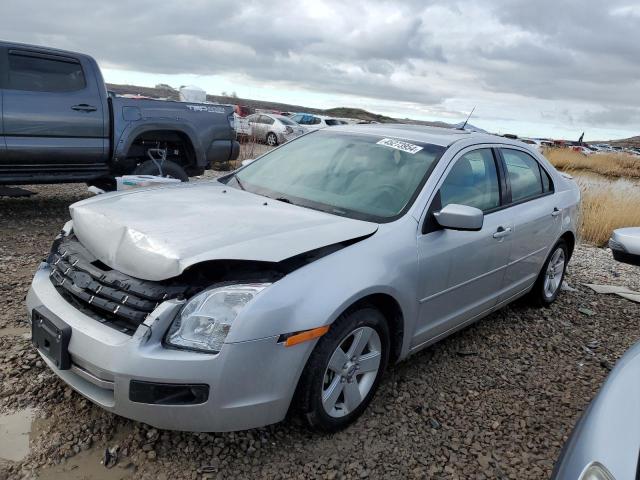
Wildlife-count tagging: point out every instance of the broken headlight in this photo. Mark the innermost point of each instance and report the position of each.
(205, 320)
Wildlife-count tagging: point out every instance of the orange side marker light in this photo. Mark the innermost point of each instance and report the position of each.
(305, 336)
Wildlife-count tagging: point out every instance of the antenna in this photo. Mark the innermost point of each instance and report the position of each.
(465, 122)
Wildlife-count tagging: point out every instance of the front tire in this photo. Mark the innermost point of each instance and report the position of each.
(344, 370)
(549, 282)
(272, 139)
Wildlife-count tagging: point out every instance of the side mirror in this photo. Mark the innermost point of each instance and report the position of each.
(246, 162)
(460, 217)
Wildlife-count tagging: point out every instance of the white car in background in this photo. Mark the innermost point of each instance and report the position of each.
(316, 122)
(272, 129)
(537, 144)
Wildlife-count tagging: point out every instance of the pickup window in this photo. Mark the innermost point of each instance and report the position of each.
(44, 74)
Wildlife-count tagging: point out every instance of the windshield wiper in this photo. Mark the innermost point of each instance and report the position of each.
(235, 177)
(284, 200)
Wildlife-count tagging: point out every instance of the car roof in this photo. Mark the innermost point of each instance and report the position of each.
(277, 116)
(421, 133)
(26, 46)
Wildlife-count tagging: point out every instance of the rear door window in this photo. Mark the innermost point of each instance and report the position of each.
(523, 174)
(44, 74)
(547, 183)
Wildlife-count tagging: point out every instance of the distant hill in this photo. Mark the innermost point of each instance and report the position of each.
(627, 142)
(168, 93)
(347, 112)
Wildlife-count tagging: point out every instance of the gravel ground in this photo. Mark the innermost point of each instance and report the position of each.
(496, 400)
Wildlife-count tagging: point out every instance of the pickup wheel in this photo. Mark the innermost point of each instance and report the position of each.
(169, 170)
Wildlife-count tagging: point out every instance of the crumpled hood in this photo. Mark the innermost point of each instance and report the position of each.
(156, 233)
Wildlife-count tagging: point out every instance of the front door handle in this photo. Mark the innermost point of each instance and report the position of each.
(502, 232)
(556, 212)
(83, 107)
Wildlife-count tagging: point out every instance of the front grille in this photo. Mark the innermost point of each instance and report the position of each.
(111, 297)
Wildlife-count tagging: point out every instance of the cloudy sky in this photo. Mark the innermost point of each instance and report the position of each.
(539, 68)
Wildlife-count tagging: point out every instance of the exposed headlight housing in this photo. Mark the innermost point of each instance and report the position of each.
(596, 471)
(205, 320)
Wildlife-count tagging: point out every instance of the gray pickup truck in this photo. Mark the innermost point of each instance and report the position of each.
(59, 124)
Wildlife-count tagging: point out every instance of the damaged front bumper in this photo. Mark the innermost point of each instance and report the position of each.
(246, 385)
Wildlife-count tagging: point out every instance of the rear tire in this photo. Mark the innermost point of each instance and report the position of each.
(344, 370)
(548, 285)
(169, 170)
(272, 139)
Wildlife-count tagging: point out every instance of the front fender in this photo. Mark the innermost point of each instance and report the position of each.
(316, 294)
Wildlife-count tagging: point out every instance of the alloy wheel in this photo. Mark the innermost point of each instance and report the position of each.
(553, 275)
(352, 371)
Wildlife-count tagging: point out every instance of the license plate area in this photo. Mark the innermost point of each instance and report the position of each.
(50, 335)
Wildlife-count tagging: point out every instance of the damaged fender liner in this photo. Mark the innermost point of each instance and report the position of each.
(124, 302)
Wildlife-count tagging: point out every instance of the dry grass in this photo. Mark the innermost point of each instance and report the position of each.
(609, 164)
(607, 206)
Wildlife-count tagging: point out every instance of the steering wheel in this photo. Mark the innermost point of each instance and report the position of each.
(391, 191)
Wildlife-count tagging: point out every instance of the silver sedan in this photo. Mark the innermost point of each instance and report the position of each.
(273, 129)
(292, 283)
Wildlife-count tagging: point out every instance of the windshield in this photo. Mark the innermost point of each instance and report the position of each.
(359, 176)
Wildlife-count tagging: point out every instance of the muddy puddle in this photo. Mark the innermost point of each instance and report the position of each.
(15, 432)
(86, 465)
(15, 332)
(19, 430)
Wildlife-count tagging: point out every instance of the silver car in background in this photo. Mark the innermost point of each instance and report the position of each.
(273, 129)
(605, 444)
(293, 282)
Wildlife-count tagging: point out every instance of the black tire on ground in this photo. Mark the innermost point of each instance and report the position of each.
(272, 139)
(169, 169)
(309, 392)
(538, 296)
(108, 184)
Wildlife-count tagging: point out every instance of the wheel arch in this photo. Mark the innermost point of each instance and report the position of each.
(570, 239)
(392, 312)
(184, 133)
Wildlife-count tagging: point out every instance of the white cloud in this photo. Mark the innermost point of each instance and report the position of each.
(513, 58)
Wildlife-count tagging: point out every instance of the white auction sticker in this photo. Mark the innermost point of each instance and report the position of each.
(398, 145)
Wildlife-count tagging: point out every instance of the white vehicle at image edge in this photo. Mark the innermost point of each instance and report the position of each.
(625, 245)
(605, 443)
(293, 282)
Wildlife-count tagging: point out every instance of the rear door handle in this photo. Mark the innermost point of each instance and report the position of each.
(556, 212)
(502, 232)
(83, 107)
